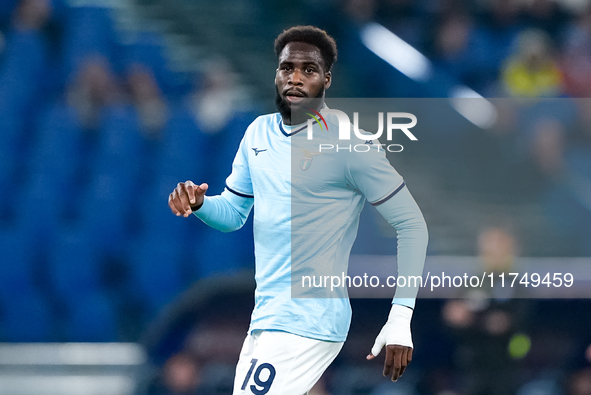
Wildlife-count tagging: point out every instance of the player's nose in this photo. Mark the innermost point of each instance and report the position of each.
(295, 78)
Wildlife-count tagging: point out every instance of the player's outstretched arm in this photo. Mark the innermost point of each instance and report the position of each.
(404, 215)
(226, 212)
(396, 337)
(186, 198)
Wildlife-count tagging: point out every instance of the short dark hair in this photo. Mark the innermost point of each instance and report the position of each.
(311, 35)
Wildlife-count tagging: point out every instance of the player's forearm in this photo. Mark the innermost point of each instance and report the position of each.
(402, 212)
(226, 212)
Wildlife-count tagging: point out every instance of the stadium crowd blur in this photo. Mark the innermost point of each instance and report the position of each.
(96, 133)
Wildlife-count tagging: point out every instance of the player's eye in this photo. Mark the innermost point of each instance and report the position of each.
(310, 70)
(285, 68)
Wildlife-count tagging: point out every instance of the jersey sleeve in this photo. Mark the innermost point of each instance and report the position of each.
(371, 174)
(226, 212)
(403, 213)
(239, 181)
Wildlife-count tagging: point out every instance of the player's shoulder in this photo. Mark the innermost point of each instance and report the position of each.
(263, 123)
(266, 120)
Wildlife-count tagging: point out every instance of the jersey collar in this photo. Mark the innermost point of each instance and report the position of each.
(289, 131)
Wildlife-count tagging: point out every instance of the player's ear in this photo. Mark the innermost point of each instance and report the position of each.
(327, 79)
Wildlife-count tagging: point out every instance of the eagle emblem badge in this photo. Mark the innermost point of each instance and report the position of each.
(306, 161)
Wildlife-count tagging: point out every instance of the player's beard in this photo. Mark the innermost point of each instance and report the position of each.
(297, 114)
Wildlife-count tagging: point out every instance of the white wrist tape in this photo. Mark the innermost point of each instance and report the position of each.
(400, 313)
(396, 331)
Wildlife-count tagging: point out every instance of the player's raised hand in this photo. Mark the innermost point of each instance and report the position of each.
(186, 197)
(397, 339)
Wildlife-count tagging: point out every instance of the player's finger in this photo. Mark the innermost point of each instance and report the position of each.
(404, 360)
(172, 206)
(388, 361)
(183, 199)
(190, 189)
(180, 201)
(397, 362)
(410, 355)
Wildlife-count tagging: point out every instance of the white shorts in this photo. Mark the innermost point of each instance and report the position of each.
(281, 363)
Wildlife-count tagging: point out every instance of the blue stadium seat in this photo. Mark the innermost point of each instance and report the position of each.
(214, 252)
(74, 264)
(23, 67)
(103, 208)
(58, 145)
(206, 251)
(26, 317)
(6, 9)
(156, 271)
(225, 143)
(92, 318)
(18, 259)
(58, 118)
(11, 152)
(11, 129)
(88, 31)
(147, 50)
(7, 172)
(216, 151)
(39, 207)
(120, 130)
(157, 218)
(185, 151)
(119, 148)
(189, 153)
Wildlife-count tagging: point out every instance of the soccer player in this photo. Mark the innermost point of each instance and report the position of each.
(306, 210)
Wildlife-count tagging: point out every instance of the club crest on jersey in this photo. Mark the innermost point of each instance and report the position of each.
(306, 161)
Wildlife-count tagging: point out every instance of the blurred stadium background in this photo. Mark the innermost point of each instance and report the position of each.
(106, 105)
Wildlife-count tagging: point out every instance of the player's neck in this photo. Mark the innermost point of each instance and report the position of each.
(290, 126)
(301, 118)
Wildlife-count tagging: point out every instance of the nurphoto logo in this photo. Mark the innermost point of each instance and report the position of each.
(369, 138)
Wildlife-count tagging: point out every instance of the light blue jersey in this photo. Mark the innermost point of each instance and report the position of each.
(306, 214)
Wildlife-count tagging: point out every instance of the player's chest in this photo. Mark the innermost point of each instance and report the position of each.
(284, 163)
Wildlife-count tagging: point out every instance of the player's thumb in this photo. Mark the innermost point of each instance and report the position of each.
(378, 345)
(200, 190)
